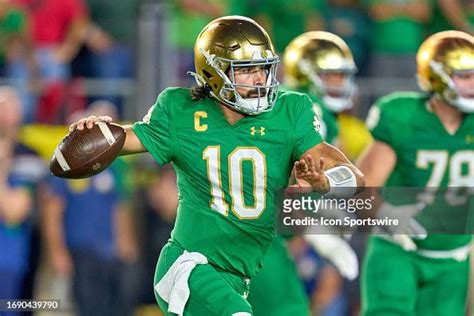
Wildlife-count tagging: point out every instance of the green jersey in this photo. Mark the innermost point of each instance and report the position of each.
(227, 174)
(329, 126)
(427, 156)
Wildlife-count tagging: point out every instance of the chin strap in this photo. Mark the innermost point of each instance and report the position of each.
(451, 95)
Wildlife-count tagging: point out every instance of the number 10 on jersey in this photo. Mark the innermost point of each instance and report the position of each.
(236, 181)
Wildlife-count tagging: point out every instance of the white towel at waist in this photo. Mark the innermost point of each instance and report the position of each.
(173, 287)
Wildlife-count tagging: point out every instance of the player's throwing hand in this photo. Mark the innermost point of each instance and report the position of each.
(313, 173)
(89, 122)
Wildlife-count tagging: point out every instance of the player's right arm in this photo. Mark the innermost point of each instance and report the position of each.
(132, 144)
(152, 133)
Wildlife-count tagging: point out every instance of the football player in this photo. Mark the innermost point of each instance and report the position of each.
(423, 140)
(321, 65)
(233, 141)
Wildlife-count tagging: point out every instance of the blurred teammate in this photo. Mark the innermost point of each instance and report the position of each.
(424, 140)
(321, 65)
(233, 140)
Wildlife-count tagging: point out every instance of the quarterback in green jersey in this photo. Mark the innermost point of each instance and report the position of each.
(307, 70)
(423, 140)
(233, 141)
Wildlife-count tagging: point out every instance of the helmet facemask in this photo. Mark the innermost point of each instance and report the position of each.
(337, 97)
(463, 99)
(445, 66)
(228, 94)
(232, 42)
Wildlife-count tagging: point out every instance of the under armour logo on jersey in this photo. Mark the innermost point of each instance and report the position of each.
(470, 139)
(254, 130)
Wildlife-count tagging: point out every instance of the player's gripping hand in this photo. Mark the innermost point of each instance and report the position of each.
(313, 173)
(89, 122)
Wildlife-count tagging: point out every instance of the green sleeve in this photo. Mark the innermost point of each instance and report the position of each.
(154, 131)
(306, 128)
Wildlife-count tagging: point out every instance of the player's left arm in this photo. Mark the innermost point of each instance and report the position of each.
(327, 170)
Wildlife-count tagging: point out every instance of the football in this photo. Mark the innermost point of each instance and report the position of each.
(84, 153)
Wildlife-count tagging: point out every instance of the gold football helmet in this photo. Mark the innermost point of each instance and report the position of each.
(311, 55)
(442, 56)
(234, 42)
